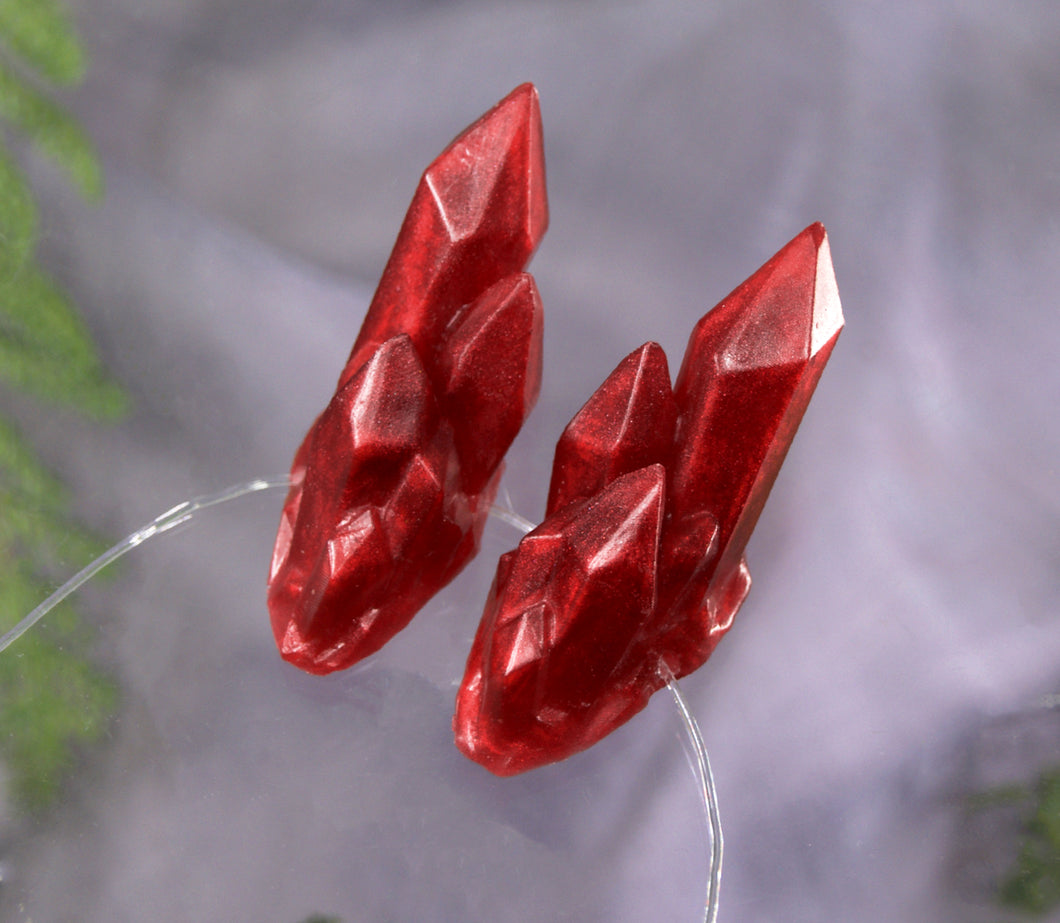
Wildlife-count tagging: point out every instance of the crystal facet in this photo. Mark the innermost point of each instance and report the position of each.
(639, 562)
(392, 485)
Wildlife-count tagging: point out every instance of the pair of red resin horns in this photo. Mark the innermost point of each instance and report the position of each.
(638, 568)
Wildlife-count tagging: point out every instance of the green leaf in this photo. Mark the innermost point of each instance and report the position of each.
(52, 130)
(52, 541)
(53, 705)
(1033, 884)
(19, 466)
(53, 702)
(45, 349)
(37, 312)
(1047, 819)
(18, 222)
(48, 378)
(40, 32)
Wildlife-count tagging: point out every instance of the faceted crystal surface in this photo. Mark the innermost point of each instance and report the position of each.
(477, 216)
(627, 424)
(392, 485)
(570, 600)
(638, 569)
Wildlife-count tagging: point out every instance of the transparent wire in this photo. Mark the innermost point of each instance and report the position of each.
(170, 519)
(183, 512)
(708, 793)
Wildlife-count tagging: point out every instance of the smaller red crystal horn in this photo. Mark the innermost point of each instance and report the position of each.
(638, 568)
(393, 483)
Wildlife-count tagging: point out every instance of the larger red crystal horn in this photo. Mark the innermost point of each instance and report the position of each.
(478, 214)
(638, 569)
(393, 483)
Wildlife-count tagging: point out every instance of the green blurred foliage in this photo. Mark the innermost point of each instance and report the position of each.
(53, 701)
(41, 34)
(46, 351)
(52, 131)
(1033, 884)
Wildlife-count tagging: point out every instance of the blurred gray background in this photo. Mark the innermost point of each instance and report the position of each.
(903, 632)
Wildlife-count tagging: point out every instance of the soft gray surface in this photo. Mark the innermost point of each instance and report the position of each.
(260, 156)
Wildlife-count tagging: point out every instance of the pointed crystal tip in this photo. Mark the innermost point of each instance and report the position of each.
(785, 313)
(827, 311)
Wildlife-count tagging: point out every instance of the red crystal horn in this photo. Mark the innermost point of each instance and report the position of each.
(638, 568)
(393, 483)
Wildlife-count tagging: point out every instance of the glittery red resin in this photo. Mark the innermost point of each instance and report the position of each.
(393, 483)
(638, 568)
